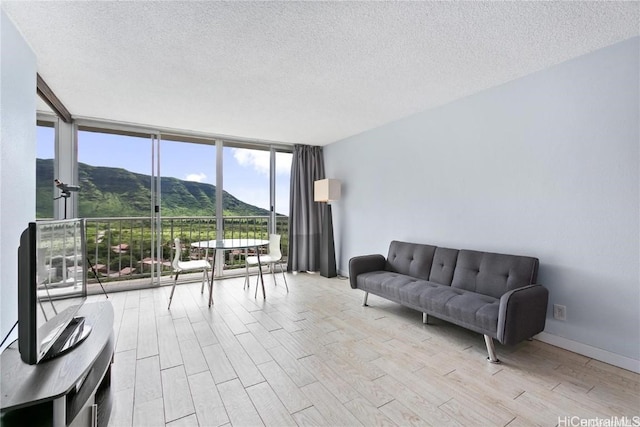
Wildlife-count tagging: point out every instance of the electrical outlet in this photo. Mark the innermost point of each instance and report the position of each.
(559, 312)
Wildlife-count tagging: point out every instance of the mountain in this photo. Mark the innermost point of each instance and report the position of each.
(108, 192)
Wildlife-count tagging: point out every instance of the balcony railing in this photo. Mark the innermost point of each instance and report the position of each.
(122, 248)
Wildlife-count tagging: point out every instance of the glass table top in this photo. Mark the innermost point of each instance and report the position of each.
(230, 243)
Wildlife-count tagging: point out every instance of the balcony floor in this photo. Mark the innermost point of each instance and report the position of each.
(315, 356)
(125, 284)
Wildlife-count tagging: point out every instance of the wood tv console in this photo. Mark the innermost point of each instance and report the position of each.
(69, 390)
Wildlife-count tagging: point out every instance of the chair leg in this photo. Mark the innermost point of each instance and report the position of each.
(271, 267)
(173, 289)
(425, 318)
(366, 297)
(258, 280)
(283, 276)
(205, 277)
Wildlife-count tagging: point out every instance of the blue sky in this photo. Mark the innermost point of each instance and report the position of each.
(245, 171)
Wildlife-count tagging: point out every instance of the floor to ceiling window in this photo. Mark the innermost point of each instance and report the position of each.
(256, 198)
(45, 155)
(187, 193)
(115, 178)
(282, 176)
(139, 191)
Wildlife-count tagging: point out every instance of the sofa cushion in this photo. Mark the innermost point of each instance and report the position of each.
(470, 309)
(493, 274)
(412, 259)
(476, 311)
(444, 264)
(395, 286)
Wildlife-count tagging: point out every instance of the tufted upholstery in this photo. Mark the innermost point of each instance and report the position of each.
(493, 294)
(475, 311)
(493, 274)
(444, 264)
(411, 259)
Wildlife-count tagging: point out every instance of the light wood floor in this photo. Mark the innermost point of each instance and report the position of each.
(315, 356)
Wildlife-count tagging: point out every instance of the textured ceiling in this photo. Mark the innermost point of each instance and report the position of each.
(298, 72)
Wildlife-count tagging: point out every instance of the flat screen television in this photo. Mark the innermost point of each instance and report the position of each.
(52, 287)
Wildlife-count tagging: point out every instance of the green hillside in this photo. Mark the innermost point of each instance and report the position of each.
(108, 192)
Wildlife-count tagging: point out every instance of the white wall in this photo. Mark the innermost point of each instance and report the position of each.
(546, 165)
(17, 160)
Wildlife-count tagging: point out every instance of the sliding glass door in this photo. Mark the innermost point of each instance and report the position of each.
(118, 186)
(187, 192)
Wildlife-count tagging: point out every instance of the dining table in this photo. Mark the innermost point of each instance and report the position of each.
(231, 244)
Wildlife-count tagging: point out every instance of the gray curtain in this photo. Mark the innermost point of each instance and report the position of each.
(305, 215)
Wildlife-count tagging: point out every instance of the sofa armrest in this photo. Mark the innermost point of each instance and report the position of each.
(364, 264)
(522, 314)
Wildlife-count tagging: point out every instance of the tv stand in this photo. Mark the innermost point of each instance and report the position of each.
(69, 390)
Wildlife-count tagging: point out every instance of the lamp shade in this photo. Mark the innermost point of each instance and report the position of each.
(326, 190)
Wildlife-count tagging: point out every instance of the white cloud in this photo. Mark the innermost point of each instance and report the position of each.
(259, 160)
(197, 177)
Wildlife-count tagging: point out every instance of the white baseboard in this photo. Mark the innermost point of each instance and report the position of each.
(605, 356)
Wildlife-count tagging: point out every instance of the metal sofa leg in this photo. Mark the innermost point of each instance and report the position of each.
(366, 296)
(491, 349)
(425, 318)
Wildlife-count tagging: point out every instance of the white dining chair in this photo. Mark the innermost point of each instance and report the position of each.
(272, 258)
(179, 266)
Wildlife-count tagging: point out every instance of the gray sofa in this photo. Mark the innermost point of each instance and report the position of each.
(492, 294)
